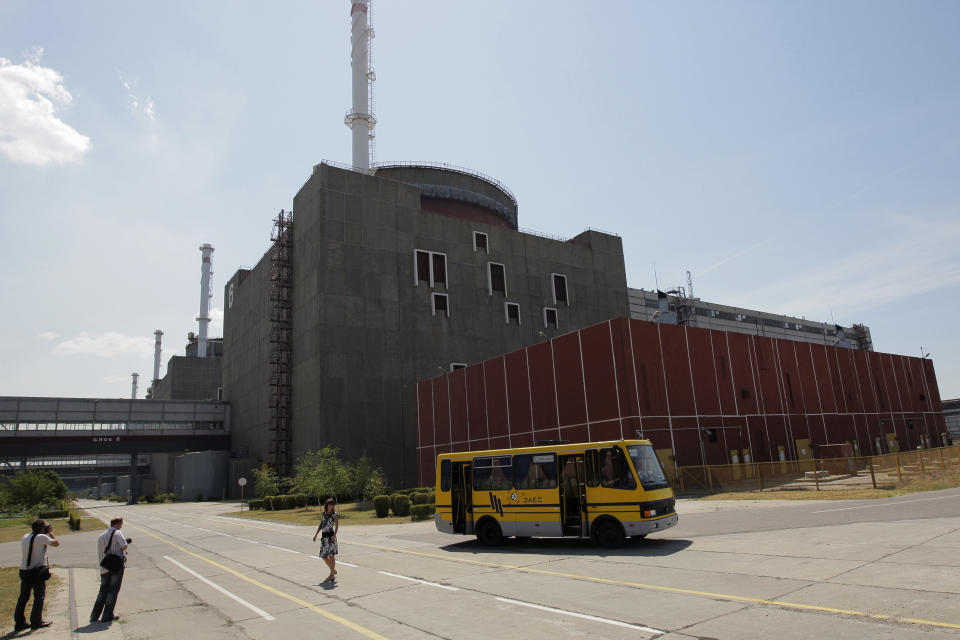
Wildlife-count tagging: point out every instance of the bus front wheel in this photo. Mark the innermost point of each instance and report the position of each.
(608, 533)
(488, 533)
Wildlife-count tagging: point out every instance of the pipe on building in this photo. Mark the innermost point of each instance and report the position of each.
(133, 391)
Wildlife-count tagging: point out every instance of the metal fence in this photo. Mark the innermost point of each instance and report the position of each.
(858, 472)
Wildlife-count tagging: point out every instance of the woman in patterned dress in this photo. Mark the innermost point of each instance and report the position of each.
(329, 524)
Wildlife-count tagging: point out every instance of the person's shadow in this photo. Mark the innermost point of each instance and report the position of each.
(328, 585)
(93, 627)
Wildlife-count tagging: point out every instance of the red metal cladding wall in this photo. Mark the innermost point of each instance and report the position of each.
(700, 393)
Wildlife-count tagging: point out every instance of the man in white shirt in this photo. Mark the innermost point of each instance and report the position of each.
(110, 541)
(33, 559)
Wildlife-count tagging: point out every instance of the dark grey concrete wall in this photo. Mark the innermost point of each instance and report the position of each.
(246, 352)
(363, 330)
(189, 378)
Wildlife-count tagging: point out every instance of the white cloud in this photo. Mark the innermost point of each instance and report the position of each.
(216, 321)
(921, 261)
(146, 106)
(106, 345)
(49, 336)
(30, 130)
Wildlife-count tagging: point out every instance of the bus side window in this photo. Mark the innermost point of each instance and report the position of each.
(445, 475)
(481, 474)
(535, 471)
(614, 470)
(501, 473)
(593, 473)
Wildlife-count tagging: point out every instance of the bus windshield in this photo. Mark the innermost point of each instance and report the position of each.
(648, 467)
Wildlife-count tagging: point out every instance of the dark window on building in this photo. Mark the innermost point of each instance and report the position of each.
(440, 304)
(423, 267)
(439, 269)
(480, 241)
(513, 313)
(496, 278)
(560, 289)
(744, 393)
(790, 391)
(723, 366)
(711, 435)
(549, 317)
(431, 268)
(535, 471)
(457, 365)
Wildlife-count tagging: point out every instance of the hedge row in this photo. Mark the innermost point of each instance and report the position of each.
(422, 511)
(280, 503)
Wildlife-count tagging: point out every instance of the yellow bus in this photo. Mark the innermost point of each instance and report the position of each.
(601, 490)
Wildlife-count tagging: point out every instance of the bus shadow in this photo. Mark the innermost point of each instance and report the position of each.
(636, 547)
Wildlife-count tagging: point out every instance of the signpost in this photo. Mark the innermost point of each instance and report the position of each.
(242, 482)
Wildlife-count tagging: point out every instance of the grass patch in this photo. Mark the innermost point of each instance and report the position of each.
(350, 513)
(933, 483)
(12, 529)
(10, 591)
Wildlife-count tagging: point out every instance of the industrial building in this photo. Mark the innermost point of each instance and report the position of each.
(702, 396)
(385, 277)
(388, 274)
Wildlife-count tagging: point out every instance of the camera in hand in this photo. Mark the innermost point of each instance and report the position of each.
(129, 540)
(48, 528)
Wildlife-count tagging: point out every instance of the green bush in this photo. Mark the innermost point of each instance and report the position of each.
(50, 515)
(255, 504)
(432, 497)
(420, 498)
(142, 500)
(74, 521)
(382, 504)
(393, 499)
(401, 505)
(422, 511)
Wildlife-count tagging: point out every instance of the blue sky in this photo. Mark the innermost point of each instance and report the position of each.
(797, 158)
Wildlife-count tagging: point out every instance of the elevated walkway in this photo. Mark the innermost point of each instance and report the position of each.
(33, 427)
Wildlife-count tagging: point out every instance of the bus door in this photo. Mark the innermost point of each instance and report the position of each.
(573, 494)
(461, 495)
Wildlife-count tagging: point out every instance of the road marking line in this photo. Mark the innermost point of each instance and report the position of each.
(580, 615)
(283, 594)
(888, 504)
(247, 540)
(257, 610)
(429, 584)
(653, 587)
(346, 564)
(273, 546)
(207, 530)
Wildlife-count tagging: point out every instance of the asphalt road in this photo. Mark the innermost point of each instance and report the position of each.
(838, 569)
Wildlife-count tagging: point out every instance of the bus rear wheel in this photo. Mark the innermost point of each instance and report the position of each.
(608, 533)
(488, 533)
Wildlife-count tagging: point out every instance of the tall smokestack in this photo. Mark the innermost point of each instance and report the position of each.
(133, 391)
(156, 357)
(206, 272)
(360, 118)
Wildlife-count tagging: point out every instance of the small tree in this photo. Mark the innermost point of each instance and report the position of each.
(31, 489)
(376, 484)
(360, 473)
(265, 481)
(321, 473)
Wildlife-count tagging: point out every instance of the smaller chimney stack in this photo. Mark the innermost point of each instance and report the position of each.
(206, 273)
(133, 393)
(156, 357)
